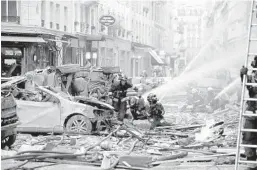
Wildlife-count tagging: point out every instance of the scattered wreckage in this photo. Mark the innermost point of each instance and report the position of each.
(46, 110)
(9, 118)
(172, 144)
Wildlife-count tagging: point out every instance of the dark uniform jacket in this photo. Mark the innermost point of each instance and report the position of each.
(156, 110)
(252, 105)
(120, 91)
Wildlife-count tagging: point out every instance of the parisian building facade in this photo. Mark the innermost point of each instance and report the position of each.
(228, 30)
(37, 34)
(189, 31)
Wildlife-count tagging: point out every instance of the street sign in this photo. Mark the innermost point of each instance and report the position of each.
(107, 20)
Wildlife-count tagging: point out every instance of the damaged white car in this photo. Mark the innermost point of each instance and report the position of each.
(45, 110)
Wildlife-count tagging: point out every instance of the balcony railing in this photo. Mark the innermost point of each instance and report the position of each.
(14, 19)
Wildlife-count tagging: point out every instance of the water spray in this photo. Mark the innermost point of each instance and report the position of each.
(228, 88)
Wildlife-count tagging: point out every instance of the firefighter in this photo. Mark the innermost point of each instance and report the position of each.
(156, 112)
(254, 62)
(119, 92)
(211, 101)
(251, 122)
(137, 107)
(242, 71)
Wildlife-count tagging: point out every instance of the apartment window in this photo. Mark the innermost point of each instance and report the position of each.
(65, 17)
(119, 32)
(9, 11)
(51, 14)
(42, 23)
(92, 17)
(65, 28)
(57, 26)
(75, 26)
(57, 15)
(43, 10)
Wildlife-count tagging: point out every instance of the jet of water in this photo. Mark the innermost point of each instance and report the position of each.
(178, 83)
(207, 45)
(231, 87)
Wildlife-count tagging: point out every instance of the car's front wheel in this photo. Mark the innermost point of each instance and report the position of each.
(79, 124)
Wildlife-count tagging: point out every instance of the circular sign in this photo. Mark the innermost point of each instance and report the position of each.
(107, 20)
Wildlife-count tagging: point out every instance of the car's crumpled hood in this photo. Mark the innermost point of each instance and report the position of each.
(94, 102)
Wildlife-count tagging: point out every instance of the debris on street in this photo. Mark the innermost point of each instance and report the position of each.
(131, 147)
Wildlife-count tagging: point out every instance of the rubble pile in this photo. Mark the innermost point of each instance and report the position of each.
(192, 137)
(130, 146)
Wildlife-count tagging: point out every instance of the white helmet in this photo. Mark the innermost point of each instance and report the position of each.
(194, 91)
(210, 89)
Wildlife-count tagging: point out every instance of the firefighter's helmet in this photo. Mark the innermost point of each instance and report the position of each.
(152, 98)
(123, 77)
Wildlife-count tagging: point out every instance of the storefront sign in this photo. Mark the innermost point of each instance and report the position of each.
(107, 20)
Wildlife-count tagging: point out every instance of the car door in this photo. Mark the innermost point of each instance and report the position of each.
(38, 116)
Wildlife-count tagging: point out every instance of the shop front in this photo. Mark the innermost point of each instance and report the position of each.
(20, 54)
(88, 51)
(11, 59)
(28, 48)
(115, 52)
(157, 63)
(141, 60)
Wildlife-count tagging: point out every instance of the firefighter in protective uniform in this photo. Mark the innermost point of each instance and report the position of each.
(156, 112)
(251, 122)
(119, 93)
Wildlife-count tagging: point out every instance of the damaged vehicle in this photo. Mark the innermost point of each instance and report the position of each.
(46, 110)
(78, 81)
(9, 118)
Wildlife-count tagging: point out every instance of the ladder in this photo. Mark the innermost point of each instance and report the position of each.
(243, 99)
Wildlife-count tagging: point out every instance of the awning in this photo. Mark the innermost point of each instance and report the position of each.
(22, 39)
(155, 57)
(8, 28)
(95, 37)
(91, 37)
